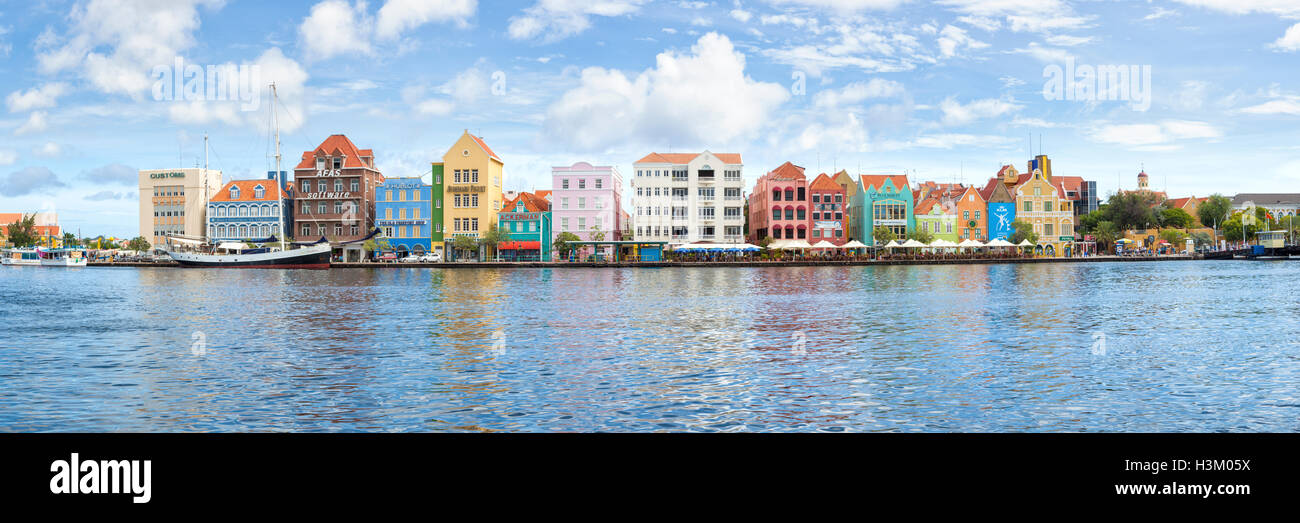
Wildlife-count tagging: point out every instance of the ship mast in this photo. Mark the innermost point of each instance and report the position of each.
(279, 184)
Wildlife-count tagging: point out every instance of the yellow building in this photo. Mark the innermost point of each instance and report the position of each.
(1042, 203)
(472, 176)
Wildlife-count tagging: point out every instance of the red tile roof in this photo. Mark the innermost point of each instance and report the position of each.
(336, 144)
(685, 158)
(247, 191)
(926, 206)
(823, 182)
(543, 193)
(787, 171)
(531, 201)
(486, 149)
(878, 180)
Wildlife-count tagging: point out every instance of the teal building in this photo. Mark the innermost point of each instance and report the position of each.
(881, 201)
(526, 222)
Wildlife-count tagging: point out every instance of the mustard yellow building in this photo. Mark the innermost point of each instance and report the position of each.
(1042, 202)
(472, 176)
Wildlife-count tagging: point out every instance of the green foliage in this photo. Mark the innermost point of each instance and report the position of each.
(920, 236)
(377, 244)
(22, 233)
(1213, 212)
(138, 244)
(764, 242)
(1088, 223)
(1177, 218)
(562, 241)
(1174, 237)
(596, 234)
(1130, 210)
(1202, 239)
(1024, 231)
(883, 235)
(1106, 234)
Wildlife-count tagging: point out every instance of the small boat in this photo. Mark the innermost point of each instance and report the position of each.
(66, 257)
(241, 256)
(20, 257)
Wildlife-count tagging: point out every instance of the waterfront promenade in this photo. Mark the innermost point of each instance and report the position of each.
(741, 263)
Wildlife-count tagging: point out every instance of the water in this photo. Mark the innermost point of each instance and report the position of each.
(1167, 346)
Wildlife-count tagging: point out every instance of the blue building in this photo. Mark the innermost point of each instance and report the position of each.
(404, 214)
(250, 209)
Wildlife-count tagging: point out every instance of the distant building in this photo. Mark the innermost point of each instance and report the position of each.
(249, 209)
(526, 221)
(1001, 203)
(474, 176)
(686, 198)
(335, 195)
(46, 227)
(830, 218)
(586, 201)
(972, 219)
(174, 202)
(1279, 204)
(881, 200)
(404, 214)
(778, 205)
(938, 219)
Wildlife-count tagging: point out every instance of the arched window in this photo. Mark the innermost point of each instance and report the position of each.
(259, 192)
(234, 192)
(776, 232)
(776, 195)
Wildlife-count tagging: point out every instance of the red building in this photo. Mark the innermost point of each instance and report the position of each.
(335, 195)
(778, 207)
(830, 220)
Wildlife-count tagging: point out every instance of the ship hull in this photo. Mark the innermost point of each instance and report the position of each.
(313, 257)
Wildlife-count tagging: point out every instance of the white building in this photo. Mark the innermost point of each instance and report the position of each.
(684, 198)
(175, 202)
(1279, 204)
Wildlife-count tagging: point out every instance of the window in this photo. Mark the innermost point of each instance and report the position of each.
(401, 214)
(338, 163)
(338, 207)
(456, 179)
(977, 216)
(338, 185)
(306, 186)
(356, 185)
(1047, 229)
(582, 202)
(1047, 206)
(234, 193)
(320, 208)
(598, 183)
(473, 175)
(1029, 206)
(582, 223)
(306, 208)
(338, 229)
(321, 186)
(564, 183)
(582, 183)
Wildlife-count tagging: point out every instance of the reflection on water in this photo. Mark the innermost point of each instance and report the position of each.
(1171, 346)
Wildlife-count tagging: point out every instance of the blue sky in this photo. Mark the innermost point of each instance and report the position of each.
(945, 90)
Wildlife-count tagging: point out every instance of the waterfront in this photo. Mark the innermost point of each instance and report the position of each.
(1188, 346)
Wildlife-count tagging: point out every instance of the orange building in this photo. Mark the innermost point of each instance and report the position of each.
(972, 216)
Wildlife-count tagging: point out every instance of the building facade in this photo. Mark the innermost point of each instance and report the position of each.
(335, 195)
(438, 228)
(937, 218)
(527, 222)
(404, 215)
(473, 176)
(1001, 203)
(972, 215)
(778, 205)
(1278, 204)
(1043, 204)
(830, 218)
(174, 202)
(586, 201)
(250, 209)
(881, 201)
(686, 198)
(46, 227)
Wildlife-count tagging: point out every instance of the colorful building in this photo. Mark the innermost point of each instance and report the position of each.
(473, 188)
(527, 222)
(587, 201)
(883, 200)
(1042, 203)
(937, 218)
(46, 227)
(174, 202)
(972, 215)
(437, 240)
(250, 209)
(403, 214)
(687, 198)
(335, 196)
(830, 219)
(778, 206)
(1001, 203)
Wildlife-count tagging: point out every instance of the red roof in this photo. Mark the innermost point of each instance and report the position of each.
(787, 171)
(247, 191)
(486, 149)
(823, 182)
(543, 193)
(878, 180)
(926, 206)
(1179, 203)
(335, 145)
(531, 201)
(685, 158)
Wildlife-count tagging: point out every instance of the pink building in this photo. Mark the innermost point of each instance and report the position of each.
(586, 199)
(778, 207)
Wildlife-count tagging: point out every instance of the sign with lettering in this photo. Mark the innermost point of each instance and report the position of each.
(466, 188)
(1001, 215)
(329, 173)
(827, 225)
(328, 195)
(517, 216)
(167, 175)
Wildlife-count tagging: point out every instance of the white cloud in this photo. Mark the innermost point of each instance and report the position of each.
(1067, 40)
(953, 38)
(1289, 105)
(434, 107)
(115, 44)
(954, 113)
(1241, 7)
(869, 48)
(981, 22)
(1159, 13)
(1033, 122)
(36, 122)
(1191, 96)
(858, 92)
(8, 157)
(1290, 41)
(1044, 54)
(842, 5)
(1162, 134)
(42, 97)
(552, 20)
(48, 150)
(273, 66)
(741, 15)
(397, 16)
(335, 27)
(703, 98)
(950, 140)
(1041, 16)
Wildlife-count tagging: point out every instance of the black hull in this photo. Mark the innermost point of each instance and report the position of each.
(320, 260)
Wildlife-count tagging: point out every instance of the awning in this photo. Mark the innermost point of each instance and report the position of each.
(519, 246)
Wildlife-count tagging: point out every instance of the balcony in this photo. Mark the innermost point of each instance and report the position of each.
(680, 237)
(681, 198)
(733, 238)
(680, 179)
(733, 218)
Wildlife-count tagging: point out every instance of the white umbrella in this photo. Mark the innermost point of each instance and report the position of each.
(1001, 243)
(797, 244)
(778, 244)
(824, 245)
(970, 244)
(944, 243)
(912, 244)
(892, 244)
(854, 245)
(1024, 243)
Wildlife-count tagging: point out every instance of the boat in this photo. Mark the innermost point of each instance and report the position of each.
(269, 253)
(20, 257)
(66, 257)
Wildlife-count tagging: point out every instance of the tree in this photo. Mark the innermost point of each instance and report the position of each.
(1177, 218)
(1089, 222)
(562, 243)
(764, 242)
(463, 244)
(494, 236)
(1106, 233)
(138, 244)
(883, 235)
(1214, 210)
(69, 239)
(377, 244)
(1024, 231)
(596, 234)
(22, 233)
(1174, 237)
(1131, 210)
(1202, 239)
(920, 235)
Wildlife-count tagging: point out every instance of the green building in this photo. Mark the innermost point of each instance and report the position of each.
(435, 199)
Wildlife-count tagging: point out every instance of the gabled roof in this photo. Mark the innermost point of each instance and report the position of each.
(543, 194)
(972, 190)
(926, 206)
(1179, 203)
(531, 201)
(878, 180)
(1071, 184)
(247, 191)
(787, 171)
(485, 147)
(823, 182)
(1025, 177)
(336, 145)
(685, 158)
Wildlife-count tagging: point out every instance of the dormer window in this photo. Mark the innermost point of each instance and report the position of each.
(234, 193)
(338, 162)
(320, 163)
(259, 192)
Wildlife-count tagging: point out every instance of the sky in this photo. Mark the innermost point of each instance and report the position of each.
(946, 90)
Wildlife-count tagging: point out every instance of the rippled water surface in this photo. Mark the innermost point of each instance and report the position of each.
(1168, 346)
